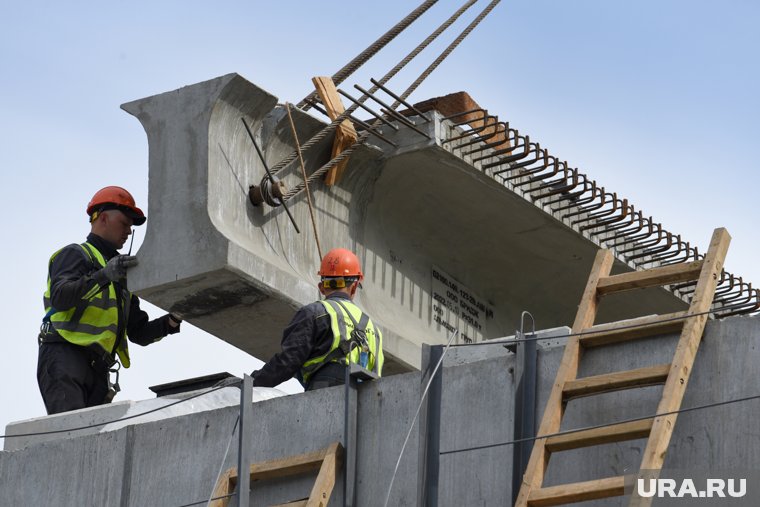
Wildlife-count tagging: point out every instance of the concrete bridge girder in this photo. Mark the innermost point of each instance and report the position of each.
(239, 271)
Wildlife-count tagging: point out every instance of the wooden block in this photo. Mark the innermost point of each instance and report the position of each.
(345, 134)
(461, 102)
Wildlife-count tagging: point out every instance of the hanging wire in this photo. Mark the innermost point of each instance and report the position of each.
(417, 413)
(206, 502)
(606, 425)
(305, 179)
(224, 458)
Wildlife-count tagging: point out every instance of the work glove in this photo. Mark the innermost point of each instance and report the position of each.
(116, 268)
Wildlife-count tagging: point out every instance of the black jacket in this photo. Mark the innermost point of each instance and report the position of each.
(72, 276)
(308, 335)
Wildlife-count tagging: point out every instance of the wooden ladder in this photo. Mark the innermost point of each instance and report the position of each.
(675, 375)
(327, 461)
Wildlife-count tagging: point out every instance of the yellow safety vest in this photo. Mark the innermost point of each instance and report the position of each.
(95, 319)
(342, 326)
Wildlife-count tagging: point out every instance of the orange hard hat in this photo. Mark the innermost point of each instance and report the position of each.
(116, 198)
(341, 262)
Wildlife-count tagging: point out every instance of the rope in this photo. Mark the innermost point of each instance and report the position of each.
(305, 179)
(368, 53)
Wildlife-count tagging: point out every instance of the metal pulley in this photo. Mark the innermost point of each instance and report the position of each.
(270, 190)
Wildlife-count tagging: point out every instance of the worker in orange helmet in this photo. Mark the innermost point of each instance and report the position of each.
(90, 313)
(324, 336)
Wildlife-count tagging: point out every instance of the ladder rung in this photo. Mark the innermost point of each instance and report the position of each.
(597, 436)
(615, 332)
(577, 492)
(651, 375)
(649, 277)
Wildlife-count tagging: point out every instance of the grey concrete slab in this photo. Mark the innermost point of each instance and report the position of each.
(478, 409)
(69, 472)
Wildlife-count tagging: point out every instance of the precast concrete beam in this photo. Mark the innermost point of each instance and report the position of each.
(443, 245)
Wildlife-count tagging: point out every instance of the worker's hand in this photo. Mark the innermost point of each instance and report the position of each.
(174, 320)
(116, 268)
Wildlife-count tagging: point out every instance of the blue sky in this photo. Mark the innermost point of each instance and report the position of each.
(657, 101)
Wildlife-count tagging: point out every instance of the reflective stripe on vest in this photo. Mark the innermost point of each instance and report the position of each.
(95, 319)
(341, 326)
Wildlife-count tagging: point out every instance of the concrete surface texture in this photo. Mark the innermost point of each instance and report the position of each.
(436, 235)
(175, 461)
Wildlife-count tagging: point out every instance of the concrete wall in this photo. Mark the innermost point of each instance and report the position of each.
(174, 461)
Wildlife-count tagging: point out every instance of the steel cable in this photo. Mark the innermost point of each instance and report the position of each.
(363, 98)
(448, 50)
(37, 433)
(373, 48)
(322, 170)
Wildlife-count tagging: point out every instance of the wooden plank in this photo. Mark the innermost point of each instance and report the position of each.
(327, 461)
(590, 300)
(323, 486)
(292, 465)
(686, 350)
(633, 329)
(615, 381)
(578, 492)
(223, 487)
(650, 277)
(568, 370)
(597, 436)
(345, 134)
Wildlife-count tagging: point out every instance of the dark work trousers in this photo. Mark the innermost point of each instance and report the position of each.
(331, 374)
(70, 377)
